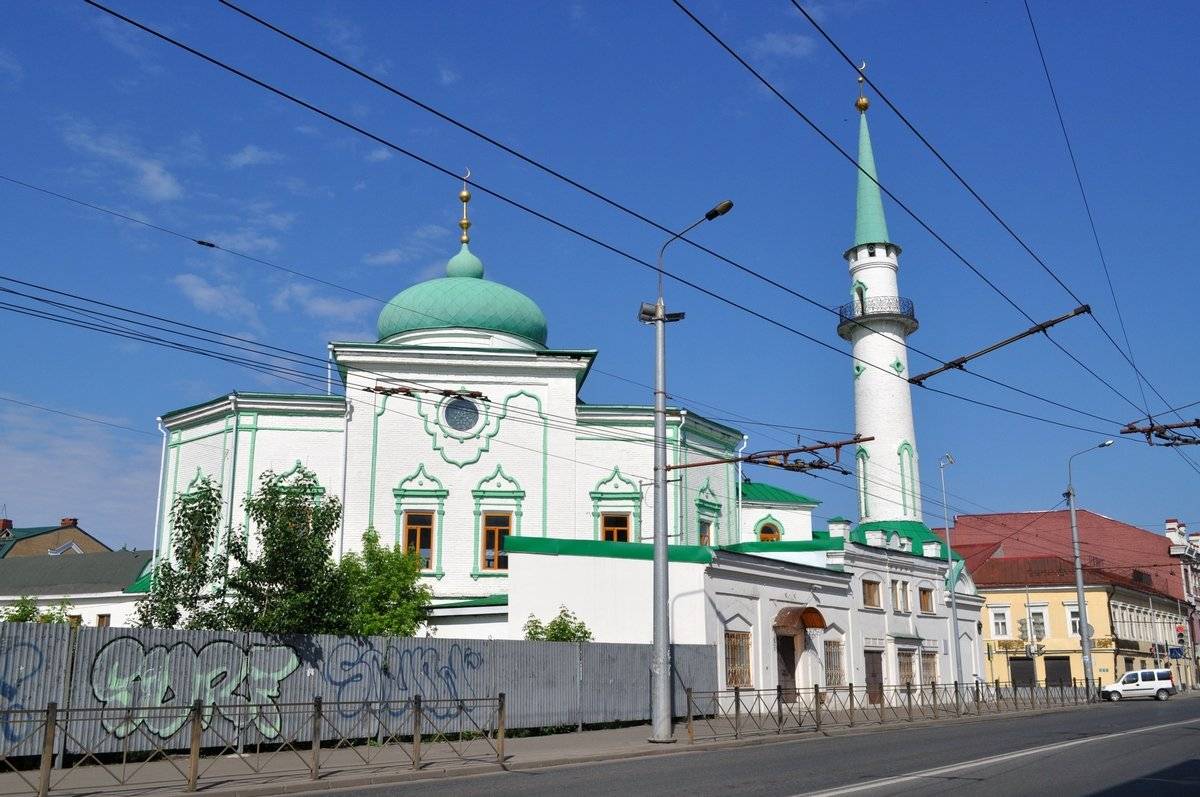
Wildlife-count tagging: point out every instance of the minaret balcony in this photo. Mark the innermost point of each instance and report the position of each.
(876, 308)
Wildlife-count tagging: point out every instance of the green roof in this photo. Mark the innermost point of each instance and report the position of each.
(142, 585)
(770, 494)
(870, 227)
(913, 530)
(552, 546)
(788, 546)
(468, 603)
(463, 299)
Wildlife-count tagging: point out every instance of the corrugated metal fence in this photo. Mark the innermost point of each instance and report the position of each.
(147, 680)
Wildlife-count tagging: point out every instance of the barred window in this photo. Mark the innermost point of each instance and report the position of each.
(904, 658)
(834, 674)
(737, 658)
(929, 667)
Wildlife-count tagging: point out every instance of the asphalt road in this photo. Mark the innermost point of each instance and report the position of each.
(1130, 748)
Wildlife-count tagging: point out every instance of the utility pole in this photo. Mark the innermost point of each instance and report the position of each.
(944, 463)
(1085, 636)
(660, 663)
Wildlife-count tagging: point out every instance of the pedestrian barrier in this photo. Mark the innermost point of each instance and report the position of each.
(314, 739)
(742, 712)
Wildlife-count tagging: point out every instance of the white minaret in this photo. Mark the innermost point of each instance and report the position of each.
(876, 321)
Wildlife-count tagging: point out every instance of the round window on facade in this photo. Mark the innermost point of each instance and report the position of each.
(461, 414)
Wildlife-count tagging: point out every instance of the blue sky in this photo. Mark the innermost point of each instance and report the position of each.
(635, 101)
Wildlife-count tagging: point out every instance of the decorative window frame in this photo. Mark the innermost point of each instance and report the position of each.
(908, 470)
(708, 508)
(422, 492)
(1068, 608)
(771, 519)
(861, 457)
(317, 491)
(500, 493)
(617, 494)
(1006, 612)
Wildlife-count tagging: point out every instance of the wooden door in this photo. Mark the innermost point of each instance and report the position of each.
(874, 664)
(785, 648)
(1058, 670)
(1022, 672)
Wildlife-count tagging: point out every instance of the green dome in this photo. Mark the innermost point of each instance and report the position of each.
(463, 299)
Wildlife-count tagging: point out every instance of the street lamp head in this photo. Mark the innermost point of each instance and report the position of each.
(946, 460)
(720, 210)
(1105, 444)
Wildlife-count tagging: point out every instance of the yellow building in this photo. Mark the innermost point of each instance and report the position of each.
(1031, 624)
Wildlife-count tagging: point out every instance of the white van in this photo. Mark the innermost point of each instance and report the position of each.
(1158, 684)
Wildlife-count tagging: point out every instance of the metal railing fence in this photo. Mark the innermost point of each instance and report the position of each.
(103, 750)
(741, 712)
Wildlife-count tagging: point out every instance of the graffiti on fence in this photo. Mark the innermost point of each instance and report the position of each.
(363, 672)
(235, 684)
(19, 663)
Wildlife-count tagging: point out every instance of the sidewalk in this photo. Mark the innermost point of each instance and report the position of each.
(287, 771)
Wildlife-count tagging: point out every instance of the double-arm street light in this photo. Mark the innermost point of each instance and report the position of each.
(660, 665)
(1085, 636)
(944, 463)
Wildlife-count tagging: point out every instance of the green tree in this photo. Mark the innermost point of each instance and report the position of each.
(564, 627)
(26, 610)
(289, 584)
(384, 589)
(182, 585)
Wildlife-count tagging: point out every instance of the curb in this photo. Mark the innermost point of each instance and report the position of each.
(354, 782)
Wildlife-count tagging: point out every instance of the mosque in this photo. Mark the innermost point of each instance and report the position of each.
(459, 434)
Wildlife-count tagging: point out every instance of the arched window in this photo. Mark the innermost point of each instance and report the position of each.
(768, 532)
(908, 478)
(861, 456)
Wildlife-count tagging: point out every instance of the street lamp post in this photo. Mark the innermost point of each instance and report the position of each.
(944, 463)
(660, 664)
(1085, 637)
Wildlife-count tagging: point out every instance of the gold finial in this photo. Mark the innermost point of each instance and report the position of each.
(862, 103)
(464, 196)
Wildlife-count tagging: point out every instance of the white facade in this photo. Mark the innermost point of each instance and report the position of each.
(460, 428)
(114, 609)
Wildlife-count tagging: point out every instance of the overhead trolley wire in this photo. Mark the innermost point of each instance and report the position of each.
(544, 217)
(903, 206)
(606, 199)
(1140, 377)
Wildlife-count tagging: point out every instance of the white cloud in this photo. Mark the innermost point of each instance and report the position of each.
(782, 45)
(305, 298)
(246, 240)
(224, 300)
(56, 467)
(379, 154)
(307, 130)
(11, 71)
(448, 76)
(422, 242)
(151, 177)
(252, 155)
(345, 38)
(390, 257)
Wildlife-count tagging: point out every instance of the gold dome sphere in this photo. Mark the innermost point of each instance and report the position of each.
(862, 104)
(464, 195)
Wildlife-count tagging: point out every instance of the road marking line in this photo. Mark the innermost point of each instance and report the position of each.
(981, 762)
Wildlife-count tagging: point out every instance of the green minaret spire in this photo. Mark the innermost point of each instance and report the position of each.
(870, 227)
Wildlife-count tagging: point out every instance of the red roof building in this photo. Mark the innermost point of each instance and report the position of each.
(1109, 548)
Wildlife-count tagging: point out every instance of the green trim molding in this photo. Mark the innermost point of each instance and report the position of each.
(553, 546)
(617, 493)
(774, 521)
(471, 603)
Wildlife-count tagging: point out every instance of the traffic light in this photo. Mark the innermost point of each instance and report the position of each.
(1181, 635)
